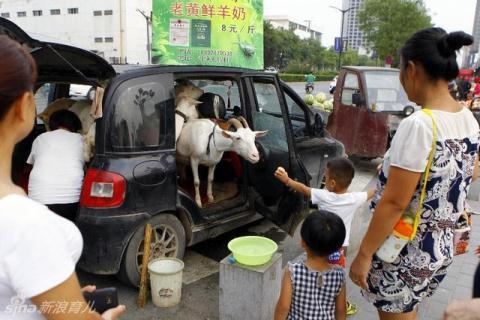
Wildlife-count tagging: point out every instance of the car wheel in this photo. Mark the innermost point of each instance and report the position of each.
(168, 240)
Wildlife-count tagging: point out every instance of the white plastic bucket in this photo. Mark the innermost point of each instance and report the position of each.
(166, 281)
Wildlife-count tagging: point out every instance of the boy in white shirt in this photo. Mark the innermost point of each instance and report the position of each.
(336, 198)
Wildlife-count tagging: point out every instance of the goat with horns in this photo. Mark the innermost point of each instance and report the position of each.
(204, 142)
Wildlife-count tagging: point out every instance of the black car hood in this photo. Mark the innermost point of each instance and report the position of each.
(53, 68)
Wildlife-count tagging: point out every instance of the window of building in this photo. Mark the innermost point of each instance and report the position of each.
(21, 14)
(98, 40)
(55, 12)
(72, 10)
(97, 13)
(37, 13)
(5, 15)
(108, 12)
(108, 39)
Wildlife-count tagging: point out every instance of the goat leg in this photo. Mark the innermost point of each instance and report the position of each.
(196, 180)
(211, 171)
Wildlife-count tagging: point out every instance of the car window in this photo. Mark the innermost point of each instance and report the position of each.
(81, 91)
(227, 89)
(293, 108)
(41, 97)
(296, 116)
(385, 92)
(268, 115)
(350, 86)
(351, 81)
(143, 116)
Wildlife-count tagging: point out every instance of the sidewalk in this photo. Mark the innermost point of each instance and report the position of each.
(457, 284)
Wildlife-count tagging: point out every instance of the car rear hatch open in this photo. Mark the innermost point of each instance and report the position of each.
(57, 62)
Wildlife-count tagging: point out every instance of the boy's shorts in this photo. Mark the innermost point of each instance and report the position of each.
(338, 258)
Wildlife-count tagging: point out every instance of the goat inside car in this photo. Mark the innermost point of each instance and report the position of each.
(215, 135)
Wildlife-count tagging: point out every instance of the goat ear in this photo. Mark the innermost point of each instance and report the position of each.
(226, 134)
(259, 134)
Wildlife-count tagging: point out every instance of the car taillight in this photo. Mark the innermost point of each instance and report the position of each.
(102, 189)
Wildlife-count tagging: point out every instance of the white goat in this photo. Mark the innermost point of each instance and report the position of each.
(89, 143)
(203, 142)
(82, 110)
(186, 110)
(186, 95)
(59, 104)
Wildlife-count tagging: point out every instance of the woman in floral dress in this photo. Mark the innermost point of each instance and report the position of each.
(428, 63)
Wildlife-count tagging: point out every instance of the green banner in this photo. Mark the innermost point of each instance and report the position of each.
(208, 32)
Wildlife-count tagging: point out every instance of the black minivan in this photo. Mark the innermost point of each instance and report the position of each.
(133, 178)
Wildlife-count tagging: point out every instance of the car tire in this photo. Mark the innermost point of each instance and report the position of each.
(164, 227)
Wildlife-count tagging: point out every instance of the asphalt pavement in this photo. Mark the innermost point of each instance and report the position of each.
(320, 86)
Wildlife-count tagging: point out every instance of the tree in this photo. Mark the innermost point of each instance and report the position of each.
(387, 24)
(286, 51)
(279, 43)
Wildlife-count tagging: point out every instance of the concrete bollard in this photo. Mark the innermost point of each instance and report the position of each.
(249, 292)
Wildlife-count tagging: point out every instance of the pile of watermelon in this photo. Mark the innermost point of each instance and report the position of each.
(319, 101)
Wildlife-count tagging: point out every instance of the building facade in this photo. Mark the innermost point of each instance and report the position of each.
(113, 29)
(351, 30)
(472, 57)
(302, 30)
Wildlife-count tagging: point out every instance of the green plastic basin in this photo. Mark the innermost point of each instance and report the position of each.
(252, 250)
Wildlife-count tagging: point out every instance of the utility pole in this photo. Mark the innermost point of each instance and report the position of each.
(341, 33)
(148, 19)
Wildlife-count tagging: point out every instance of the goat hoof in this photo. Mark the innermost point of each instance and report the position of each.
(210, 199)
(199, 203)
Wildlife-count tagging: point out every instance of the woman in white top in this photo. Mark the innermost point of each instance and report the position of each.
(38, 249)
(58, 165)
(428, 63)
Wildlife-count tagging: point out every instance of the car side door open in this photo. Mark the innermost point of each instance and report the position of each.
(268, 113)
(313, 144)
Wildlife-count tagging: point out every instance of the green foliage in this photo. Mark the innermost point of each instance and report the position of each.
(286, 51)
(387, 24)
(300, 77)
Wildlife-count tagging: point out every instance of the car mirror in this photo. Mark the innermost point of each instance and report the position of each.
(358, 100)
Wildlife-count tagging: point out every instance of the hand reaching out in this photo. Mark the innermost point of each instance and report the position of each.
(282, 175)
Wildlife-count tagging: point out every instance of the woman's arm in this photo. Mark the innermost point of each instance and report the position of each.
(69, 294)
(285, 299)
(398, 194)
(462, 310)
(341, 304)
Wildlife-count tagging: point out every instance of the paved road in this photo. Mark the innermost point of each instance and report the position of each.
(320, 86)
(200, 291)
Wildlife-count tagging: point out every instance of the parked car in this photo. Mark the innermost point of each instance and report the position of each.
(133, 178)
(271, 69)
(332, 85)
(82, 91)
(369, 104)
